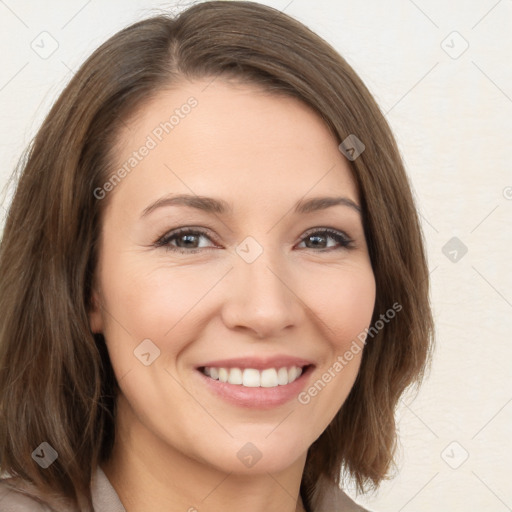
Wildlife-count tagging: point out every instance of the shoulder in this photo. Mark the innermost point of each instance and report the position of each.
(329, 498)
(16, 496)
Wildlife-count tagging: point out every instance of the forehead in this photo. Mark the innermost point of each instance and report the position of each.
(229, 140)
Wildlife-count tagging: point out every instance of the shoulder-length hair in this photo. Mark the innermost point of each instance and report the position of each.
(56, 381)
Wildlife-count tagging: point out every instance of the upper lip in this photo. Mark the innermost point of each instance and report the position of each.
(258, 363)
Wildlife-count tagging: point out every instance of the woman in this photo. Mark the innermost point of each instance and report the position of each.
(255, 370)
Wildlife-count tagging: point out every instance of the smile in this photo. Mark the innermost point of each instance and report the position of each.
(274, 382)
(254, 378)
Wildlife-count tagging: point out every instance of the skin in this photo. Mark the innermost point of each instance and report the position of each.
(177, 442)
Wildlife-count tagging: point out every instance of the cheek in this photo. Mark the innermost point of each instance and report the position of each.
(161, 304)
(344, 301)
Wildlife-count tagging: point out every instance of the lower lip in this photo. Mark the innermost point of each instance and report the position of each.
(257, 398)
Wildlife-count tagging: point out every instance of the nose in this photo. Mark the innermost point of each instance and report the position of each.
(260, 298)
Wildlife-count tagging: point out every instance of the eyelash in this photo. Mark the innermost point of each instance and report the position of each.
(342, 239)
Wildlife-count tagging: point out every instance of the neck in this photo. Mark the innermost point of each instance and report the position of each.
(148, 474)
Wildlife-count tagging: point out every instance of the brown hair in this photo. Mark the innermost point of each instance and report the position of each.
(56, 381)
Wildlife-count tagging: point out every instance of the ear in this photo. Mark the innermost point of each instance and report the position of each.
(95, 313)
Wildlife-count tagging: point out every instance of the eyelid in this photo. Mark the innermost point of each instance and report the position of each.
(198, 231)
(345, 241)
(325, 229)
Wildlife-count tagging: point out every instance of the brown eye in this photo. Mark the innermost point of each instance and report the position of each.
(183, 240)
(320, 238)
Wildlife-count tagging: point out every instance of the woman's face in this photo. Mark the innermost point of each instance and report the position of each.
(258, 283)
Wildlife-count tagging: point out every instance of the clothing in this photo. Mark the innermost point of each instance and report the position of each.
(20, 497)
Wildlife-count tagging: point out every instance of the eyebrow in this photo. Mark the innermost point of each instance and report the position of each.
(221, 207)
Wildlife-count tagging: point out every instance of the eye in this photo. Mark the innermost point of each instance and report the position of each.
(185, 240)
(320, 237)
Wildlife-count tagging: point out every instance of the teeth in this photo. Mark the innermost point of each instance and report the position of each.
(293, 373)
(223, 374)
(235, 376)
(252, 378)
(269, 378)
(282, 376)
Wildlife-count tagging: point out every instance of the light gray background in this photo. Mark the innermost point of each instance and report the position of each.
(451, 113)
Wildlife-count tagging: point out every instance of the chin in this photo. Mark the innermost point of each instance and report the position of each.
(258, 454)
